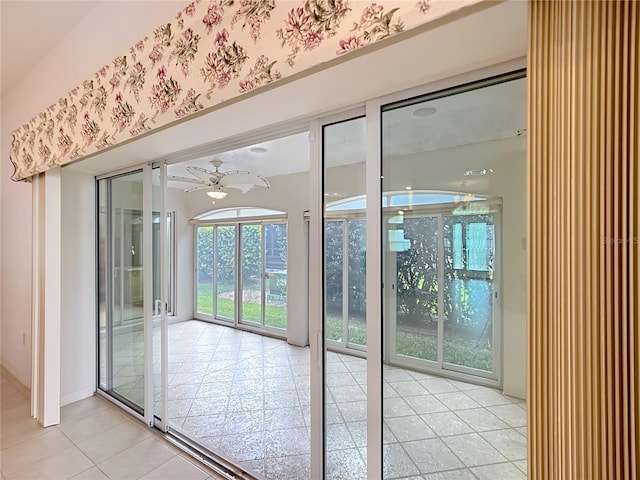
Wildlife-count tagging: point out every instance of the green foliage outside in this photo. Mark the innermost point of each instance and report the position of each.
(417, 286)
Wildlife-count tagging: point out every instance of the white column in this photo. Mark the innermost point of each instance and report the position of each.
(46, 269)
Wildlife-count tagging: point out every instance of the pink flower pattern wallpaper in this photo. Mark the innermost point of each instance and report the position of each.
(211, 51)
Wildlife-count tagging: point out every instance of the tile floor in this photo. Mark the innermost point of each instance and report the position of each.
(94, 440)
(246, 396)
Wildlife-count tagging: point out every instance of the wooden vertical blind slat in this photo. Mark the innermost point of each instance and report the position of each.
(584, 64)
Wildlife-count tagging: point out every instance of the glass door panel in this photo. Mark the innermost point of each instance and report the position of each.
(252, 278)
(345, 369)
(453, 164)
(275, 252)
(470, 250)
(225, 263)
(162, 235)
(121, 268)
(204, 270)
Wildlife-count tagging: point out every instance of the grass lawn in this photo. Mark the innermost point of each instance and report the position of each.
(273, 316)
(410, 343)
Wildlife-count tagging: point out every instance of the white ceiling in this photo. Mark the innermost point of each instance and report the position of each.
(30, 29)
(482, 116)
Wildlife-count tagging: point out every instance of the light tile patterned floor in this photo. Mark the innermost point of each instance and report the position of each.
(95, 440)
(247, 397)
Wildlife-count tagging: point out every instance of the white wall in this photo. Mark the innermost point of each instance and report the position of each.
(91, 44)
(177, 201)
(78, 307)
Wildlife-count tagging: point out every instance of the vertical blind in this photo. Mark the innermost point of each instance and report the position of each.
(583, 261)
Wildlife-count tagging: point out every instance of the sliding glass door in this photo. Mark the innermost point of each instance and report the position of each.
(241, 274)
(441, 270)
(121, 285)
(345, 281)
(134, 234)
(225, 272)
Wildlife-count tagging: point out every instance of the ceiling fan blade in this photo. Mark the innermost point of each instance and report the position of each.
(207, 176)
(243, 178)
(175, 178)
(195, 189)
(243, 188)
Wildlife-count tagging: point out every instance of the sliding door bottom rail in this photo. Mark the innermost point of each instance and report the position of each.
(215, 462)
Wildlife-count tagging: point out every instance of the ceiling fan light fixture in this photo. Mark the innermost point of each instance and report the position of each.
(217, 194)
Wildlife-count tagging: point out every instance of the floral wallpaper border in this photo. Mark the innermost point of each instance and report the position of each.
(209, 52)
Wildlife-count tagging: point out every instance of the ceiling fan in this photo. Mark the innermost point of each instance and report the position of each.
(215, 181)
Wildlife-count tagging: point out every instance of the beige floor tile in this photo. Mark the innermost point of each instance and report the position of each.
(64, 464)
(81, 409)
(137, 461)
(93, 473)
(86, 427)
(178, 467)
(15, 413)
(19, 431)
(109, 443)
(37, 448)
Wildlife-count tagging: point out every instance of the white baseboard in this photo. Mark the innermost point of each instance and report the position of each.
(76, 396)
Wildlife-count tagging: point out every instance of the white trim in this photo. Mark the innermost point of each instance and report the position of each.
(374, 291)
(50, 327)
(76, 396)
(119, 404)
(37, 195)
(164, 329)
(147, 288)
(316, 293)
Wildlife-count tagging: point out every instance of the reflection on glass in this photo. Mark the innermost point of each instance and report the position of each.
(469, 290)
(345, 409)
(251, 251)
(417, 306)
(225, 261)
(334, 268)
(444, 193)
(275, 265)
(357, 283)
(204, 270)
